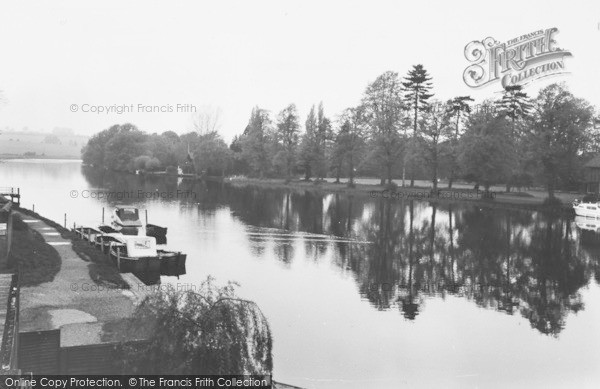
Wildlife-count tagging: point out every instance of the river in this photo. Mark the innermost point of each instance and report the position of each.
(369, 293)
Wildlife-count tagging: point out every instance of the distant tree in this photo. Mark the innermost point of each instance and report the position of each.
(417, 86)
(308, 145)
(123, 147)
(487, 154)
(206, 120)
(350, 141)
(382, 109)
(139, 163)
(516, 106)
(255, 142)
(312, 155)
(52, 139)
(460, 110)
(435, 128)
(212, 156)
(287, 139)
(560, 126)
(323, 139)
(93, 153)
(239, 165)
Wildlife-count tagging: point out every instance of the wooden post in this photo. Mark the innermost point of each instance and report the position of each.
(146, 212)
(102, 215)
(109, 248)
(65, 220)
(33, 208)
(119, 258)
(9, 233)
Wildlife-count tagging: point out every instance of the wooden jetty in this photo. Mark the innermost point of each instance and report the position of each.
(13, 193)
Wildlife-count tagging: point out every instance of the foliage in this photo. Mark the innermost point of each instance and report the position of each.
(286, 140)
(487, 153)
(382, 109)
(559, 128)
(204, 331)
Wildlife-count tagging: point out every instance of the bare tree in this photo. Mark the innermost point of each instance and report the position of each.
(207, 120)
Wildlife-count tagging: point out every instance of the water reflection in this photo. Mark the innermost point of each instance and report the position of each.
(402, 252)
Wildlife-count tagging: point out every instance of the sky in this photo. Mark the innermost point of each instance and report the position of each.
(234, 55)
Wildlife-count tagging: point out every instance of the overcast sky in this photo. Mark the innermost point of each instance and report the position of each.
(235, 55)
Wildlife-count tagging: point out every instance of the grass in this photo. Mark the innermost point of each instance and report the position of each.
(102, 271)
(37, 261)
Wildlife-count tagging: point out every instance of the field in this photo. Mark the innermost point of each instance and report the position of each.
(17, 144)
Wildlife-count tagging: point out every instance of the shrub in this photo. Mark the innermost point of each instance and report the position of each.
(204, 331)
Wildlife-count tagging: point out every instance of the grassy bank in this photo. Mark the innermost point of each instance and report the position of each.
(499, 199)
(37, 261)
(102, 270)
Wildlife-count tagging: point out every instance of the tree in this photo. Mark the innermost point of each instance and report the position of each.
(205, 331)
(287, 139)
(459, 109)
(308, 145)
(52, 139)
(312, 155)
(416, 86)
(255, 140)
(515, 106)
(93, 152)
(435, 127)
(560, 125)
(487, 154)
(323, 138)
(349, 141)
(207, 120)
(212, 155)
(382, 108)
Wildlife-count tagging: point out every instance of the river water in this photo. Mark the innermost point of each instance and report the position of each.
(370, 293)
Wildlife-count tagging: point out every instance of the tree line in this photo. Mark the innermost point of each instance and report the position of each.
(398, 131)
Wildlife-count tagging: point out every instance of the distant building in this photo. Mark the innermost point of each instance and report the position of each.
(592, 175)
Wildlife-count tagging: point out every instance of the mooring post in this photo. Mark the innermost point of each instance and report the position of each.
(33, 208)
(65, 221)
(102, 215)
(146, 211)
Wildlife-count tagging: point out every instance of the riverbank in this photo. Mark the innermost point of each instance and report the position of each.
(461, 192)
(101, 269)
(72, 301)
(36, 261)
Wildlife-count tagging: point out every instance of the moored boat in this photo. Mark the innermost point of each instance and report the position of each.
(135, 254)
(589, 206)
(126, 219)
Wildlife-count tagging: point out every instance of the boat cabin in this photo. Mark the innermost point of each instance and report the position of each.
(592, 175)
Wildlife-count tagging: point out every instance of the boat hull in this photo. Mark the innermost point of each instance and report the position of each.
(172, 264)
(587, 210)
(127, 264)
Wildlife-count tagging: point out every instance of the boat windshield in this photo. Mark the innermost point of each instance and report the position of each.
(128, 214)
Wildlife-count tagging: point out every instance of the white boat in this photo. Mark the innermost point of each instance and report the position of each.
(589, 207)
(126, 220)
(134, 253)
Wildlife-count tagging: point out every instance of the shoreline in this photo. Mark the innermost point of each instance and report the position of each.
(495, 199)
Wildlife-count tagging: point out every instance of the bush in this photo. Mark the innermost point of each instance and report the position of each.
(152, 164)
(139, 163)
(171, 170)
(205, 331)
